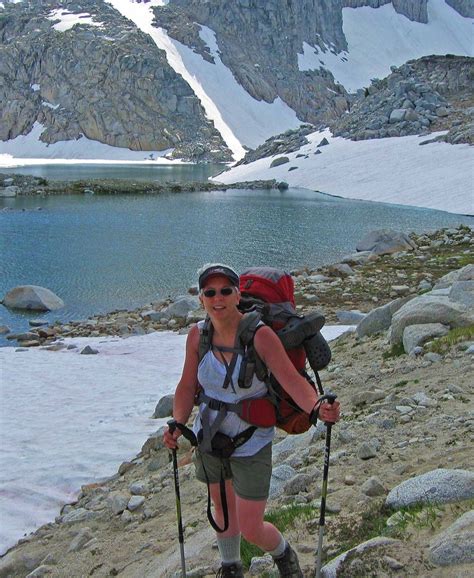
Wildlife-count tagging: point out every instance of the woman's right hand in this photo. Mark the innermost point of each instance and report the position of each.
(170, 438)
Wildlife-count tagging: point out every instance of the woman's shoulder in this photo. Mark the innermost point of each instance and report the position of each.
(194, 336)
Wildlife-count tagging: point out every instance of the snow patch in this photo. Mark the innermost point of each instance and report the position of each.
(378, 38)
(49, 105)
(391, 170)
(28, 149)
(107, 399)
(69, 19)
(240, 119)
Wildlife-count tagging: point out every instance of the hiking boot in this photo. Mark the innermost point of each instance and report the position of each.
(230, 571)
(300, 328)
(288, 564)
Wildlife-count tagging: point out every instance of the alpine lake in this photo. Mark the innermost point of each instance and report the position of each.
(105, 252)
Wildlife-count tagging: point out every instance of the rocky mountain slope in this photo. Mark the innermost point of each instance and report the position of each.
(404, 416)
(431, 94)
(108, 80)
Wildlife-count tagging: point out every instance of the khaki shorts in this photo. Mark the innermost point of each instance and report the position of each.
(250, 475)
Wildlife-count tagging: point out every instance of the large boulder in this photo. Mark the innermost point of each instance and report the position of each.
(380, 318)
(440, 486)
(430, 308)
(418, 335)
(464, 274)
(32, 297)
(456, 544)
(164, 408)
(333, 568)
(181, 307)
(386, 242)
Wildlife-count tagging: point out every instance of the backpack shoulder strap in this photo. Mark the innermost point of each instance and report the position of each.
(205, 337)
(251, 363)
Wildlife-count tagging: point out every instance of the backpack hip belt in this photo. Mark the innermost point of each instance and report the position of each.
(259, 412)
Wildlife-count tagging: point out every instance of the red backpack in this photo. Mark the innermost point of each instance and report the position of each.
(268, 297)
(272, 292)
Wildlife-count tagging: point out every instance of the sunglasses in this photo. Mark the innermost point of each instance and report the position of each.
(225, 291)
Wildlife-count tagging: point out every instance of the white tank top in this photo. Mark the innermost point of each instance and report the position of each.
(211, 376)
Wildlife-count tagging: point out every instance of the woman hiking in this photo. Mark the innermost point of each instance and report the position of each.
(247, 471)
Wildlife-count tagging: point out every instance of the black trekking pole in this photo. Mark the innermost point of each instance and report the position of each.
(331, 398)
(172, 426)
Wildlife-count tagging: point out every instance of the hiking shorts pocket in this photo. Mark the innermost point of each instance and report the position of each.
(250, 475)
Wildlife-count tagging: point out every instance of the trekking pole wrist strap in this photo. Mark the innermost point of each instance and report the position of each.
(314, 415)
(186, 431)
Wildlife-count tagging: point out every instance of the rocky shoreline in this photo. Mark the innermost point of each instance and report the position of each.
(343, 291)
(23, 185)
(407, 427)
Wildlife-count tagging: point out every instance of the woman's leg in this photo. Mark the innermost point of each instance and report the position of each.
(234, 527)
(228, 542)
(252, 525)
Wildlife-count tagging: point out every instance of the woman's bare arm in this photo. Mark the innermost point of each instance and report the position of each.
(186, 389)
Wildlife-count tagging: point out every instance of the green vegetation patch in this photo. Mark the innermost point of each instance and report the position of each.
(456, 335)
(284, 518)
(395, 351)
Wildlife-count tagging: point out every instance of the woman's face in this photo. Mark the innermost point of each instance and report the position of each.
(219, 297)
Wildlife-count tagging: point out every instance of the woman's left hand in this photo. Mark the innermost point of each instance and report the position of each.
(329, 412)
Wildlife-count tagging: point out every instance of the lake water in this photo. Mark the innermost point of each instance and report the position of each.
(100, 253)
(132, 172)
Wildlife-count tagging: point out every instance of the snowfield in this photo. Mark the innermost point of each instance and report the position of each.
(391, 170)
(78, 417)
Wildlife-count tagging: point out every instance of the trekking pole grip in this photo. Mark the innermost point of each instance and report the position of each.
(330, 398)
(172, 424)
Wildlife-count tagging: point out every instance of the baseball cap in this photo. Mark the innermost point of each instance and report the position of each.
(211, 269)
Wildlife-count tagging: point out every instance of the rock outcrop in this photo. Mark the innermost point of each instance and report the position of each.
(108, 82)
(430, 94)
(254, 44)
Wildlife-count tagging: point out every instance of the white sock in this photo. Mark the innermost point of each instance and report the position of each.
(229, 549)
(279, 550)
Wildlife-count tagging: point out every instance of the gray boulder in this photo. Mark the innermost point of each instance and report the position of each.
(456, 544)
(340, 270)
(280, 475)
(397, 115)
(463, 292)
(18, 562)
(417, 335)
(10, 191)
(430, 308)
(352, 317)
(332, 569)
(440, 486)
(32, 297)
(279, 161)
(373, 487)
(380, 318)
(386, 242)
(181, 307)
(464, 274)
(359, 258)
(164, 407)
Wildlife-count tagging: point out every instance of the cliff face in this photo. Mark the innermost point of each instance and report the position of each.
(416, 11)
(260, 41)
(464, 7)
(108, 82)
(106, 79)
